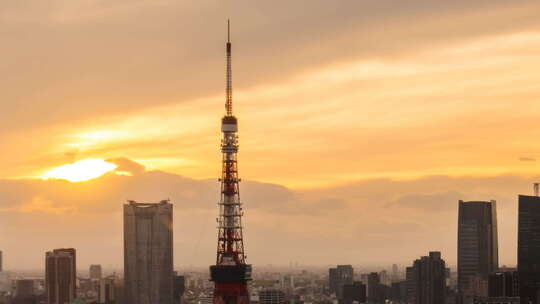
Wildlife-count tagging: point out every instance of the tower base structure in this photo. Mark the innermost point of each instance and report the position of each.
(231, 283)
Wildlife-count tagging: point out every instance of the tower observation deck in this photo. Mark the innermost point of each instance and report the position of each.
(230, 273)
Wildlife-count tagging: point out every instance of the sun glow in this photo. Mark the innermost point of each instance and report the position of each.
(82, 170)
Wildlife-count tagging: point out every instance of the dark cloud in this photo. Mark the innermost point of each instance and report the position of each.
(527, 159)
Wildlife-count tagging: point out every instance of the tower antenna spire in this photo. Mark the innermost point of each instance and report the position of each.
(228, 101)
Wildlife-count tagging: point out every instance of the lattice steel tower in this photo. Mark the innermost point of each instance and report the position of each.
(231, 273)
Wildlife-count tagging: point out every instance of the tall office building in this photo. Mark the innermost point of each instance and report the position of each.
(332, 279)
(409, 283)
(338, 277)
(477, 246)
(427, 280)
(503, 288)
(375, 294)
(529, 248)
(61, 276)
(503, 284)
(148, 253)
(355, 292)
(95, 272)
(398, 292)
(385, 279)
(395, 273)
(287, 283)
(106, 290)
(179, 288)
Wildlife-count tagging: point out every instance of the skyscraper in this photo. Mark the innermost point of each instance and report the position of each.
(148, 253)
(332, 279)
(395, 273)
(355, 292)
(179, 287)
(95, 272)
(106, 290)
(375, 293)
(529, 248)
(503, 284)
(477, 246)
(338, 277)
(61, 276)
(427, 280)
(409, 283)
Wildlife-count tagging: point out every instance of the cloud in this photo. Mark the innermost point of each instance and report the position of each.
(390, 80)
(362, 222)
(527, 159)
(39, 205)
(127, 165)
(436, 202)
(113, 79)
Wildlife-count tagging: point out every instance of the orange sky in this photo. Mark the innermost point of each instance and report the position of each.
(440, 107)
(326, 94)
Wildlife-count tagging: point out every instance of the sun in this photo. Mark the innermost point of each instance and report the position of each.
(80, 171)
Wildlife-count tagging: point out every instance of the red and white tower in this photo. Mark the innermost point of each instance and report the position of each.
(231, 273)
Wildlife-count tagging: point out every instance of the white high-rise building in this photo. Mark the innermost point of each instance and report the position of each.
(148, 253)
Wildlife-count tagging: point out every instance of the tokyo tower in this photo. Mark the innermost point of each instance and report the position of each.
(230, 274)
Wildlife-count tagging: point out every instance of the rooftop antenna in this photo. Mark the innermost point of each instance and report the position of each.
(536, 189)
(228, 101)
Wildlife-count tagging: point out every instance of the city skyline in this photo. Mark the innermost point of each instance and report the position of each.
(365, 150)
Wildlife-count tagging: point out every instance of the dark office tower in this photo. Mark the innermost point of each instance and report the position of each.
(271, 296)
(410, 286)
(332, 279)
(503, 284)
(477, 245)
(106, 290)
(428, 280)
(119, 292)
(398, 292)
(60, 276)
(354, 292)
(374, 294)
(95, 272)
(148, 253)
(529, 249)
(179, 288)
(338, 277)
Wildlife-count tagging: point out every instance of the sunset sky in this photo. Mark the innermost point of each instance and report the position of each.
(362, 123)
